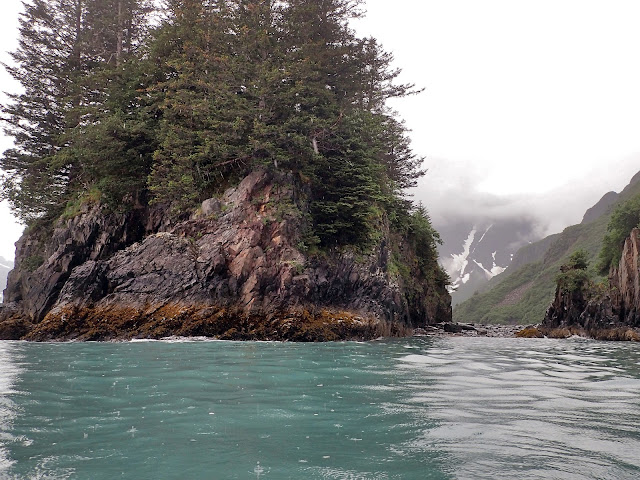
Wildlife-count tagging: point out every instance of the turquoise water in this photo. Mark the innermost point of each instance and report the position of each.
(443, 408)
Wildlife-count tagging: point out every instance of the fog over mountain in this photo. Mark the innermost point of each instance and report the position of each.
(481, 230)
(455, 191)
(475, 252)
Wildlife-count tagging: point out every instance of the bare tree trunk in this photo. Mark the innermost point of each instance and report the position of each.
(120, 32)
(77, 49)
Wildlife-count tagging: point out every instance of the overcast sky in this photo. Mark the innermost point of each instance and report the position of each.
(530, 107)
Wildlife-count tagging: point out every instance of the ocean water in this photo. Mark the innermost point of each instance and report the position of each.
(420, 408)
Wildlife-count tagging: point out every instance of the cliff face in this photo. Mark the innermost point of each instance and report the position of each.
(611, 313)
(238, 268)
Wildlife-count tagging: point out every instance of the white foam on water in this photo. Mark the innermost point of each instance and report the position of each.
(424, 359)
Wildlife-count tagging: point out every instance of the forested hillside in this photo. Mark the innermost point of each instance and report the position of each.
(212, 163)
(125, 104)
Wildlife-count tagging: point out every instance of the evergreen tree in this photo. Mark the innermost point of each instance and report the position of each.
(624, 218)
(217, 88)
(45, 65)
(58, 49)
(112, 136)
(203, 132)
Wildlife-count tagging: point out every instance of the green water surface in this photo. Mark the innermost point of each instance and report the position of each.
(446, 408)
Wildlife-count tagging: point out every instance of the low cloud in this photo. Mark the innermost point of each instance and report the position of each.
(450, 192)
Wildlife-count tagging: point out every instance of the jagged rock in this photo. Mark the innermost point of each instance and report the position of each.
(222, 273)
(611, 314)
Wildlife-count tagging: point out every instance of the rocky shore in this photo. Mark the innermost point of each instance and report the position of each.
(238, 268)
(601, 312)
(449, 329)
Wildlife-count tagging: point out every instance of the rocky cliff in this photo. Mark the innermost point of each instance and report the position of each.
(237, 268)
(609, 312)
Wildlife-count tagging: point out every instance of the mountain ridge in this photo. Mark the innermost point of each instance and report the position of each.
(522, 294)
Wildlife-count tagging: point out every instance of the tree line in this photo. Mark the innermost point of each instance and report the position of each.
(132, 103)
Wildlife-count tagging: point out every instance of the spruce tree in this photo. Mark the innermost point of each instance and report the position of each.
(62, 44)
(217, 88)
(203, 131)
(45, 64)
(112, 136)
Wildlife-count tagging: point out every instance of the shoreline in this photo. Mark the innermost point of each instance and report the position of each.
(469, 330)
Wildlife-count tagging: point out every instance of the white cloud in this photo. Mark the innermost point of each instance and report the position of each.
(526, 103)
(530, 108)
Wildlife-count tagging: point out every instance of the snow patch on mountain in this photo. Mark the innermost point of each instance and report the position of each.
(485, 233)
(460, 261)
(495, 269)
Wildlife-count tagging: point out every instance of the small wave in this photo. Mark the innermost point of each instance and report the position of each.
(424, 359)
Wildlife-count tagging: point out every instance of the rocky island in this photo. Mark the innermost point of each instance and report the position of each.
(602, 300)
(231, 173)
(235, 269)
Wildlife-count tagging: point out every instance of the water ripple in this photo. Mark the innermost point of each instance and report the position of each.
(450, 408)
(566, 410)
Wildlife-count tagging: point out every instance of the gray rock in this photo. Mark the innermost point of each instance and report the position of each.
(211, 206)
(243, 258)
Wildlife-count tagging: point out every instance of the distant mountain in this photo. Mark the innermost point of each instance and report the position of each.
(600, 208)
(5, 267)
(475, 252)
(523, 293)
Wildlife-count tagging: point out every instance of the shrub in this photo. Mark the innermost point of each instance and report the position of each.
(624, 219)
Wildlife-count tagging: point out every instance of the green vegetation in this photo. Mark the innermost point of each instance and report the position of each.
(574, 275)
(624, 219)
(119, 109)
(522, 295)
(74, 207)
(31, 263)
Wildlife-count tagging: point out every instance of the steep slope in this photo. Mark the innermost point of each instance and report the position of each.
(524, 292)
(5, 267)
(238, 269)
(600, 208)
(475, 252)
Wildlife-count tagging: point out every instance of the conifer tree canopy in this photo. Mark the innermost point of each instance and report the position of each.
(170, 106)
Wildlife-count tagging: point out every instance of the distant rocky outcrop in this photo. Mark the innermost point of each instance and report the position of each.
(611, 312)
(238, 269)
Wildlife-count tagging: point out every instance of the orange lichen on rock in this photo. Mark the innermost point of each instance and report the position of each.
(529, 332)
(125, 323)
(237, 268)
